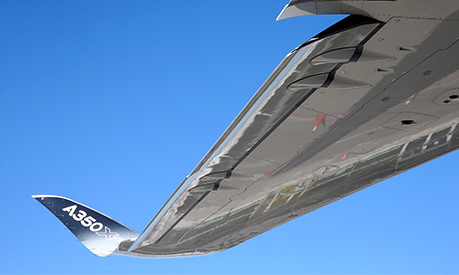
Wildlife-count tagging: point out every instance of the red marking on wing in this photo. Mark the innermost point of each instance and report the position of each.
(318, 121)
(409, 99)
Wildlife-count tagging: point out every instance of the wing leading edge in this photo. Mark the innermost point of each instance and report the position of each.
(360, 102)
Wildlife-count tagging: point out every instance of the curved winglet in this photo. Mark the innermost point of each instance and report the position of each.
(98, 232)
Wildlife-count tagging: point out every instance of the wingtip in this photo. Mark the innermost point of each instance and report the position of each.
(38, 197)
(97, 231)
(281, 14)
(48, 196)
(291, 10)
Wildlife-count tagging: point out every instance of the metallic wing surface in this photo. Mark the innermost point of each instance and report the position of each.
(372, 96)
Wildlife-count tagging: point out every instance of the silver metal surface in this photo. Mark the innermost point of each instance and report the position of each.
(382, 10)
(351, 107)
(370, 97)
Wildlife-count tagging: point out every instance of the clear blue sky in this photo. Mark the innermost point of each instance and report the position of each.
(112, 103)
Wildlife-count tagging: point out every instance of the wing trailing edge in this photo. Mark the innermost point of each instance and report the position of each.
(101, 234)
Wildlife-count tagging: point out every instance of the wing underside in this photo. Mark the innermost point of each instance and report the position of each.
(359, 103)
(370, 97)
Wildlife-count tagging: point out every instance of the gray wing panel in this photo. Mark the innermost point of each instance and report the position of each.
(380, 9)
(340, 113)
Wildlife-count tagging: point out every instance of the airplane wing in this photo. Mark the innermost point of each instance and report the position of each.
(368, 98)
